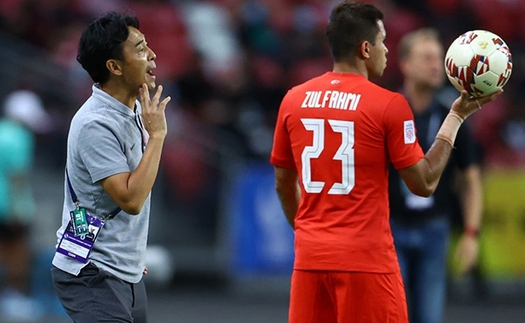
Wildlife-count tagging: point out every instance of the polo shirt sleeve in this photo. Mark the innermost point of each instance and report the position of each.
(402, 144)
(101, 152)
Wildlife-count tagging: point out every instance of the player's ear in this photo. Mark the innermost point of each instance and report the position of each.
(364, 49)
(114, 67)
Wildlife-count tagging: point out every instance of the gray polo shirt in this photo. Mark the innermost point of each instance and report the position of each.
(105, 138)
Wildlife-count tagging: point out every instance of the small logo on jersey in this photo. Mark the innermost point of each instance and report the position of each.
(335, 82)
(410, 132)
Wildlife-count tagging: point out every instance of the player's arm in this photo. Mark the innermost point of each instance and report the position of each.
(287, 187)
(471, 198)
(130, 190)
(422, 178)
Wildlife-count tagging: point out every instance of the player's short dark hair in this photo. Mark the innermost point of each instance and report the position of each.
(351, 23)
(102, 40)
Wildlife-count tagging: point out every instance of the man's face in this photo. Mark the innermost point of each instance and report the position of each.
(424, 64)
(139, 61)
(377, 62)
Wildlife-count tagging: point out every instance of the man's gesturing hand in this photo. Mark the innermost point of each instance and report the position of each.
(153, 112)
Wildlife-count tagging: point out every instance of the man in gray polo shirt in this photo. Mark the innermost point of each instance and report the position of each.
(113, 155)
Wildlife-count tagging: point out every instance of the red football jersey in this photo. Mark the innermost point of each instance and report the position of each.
(341, 131)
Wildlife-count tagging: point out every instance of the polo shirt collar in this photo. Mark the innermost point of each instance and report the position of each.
(111, 101)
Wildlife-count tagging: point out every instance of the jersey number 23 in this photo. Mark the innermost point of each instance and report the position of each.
(345, 154)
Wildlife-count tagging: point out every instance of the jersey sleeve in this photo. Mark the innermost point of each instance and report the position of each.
(104, 156)
(402, 144)
(282, 155)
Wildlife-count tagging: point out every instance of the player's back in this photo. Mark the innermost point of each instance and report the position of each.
(340, 130)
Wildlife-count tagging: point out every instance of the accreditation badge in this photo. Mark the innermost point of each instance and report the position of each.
(78, 241)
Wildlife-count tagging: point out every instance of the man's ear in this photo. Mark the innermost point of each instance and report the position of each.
(364, 49)
(114, 66)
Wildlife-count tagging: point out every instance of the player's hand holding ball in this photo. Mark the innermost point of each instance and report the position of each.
(465, 105)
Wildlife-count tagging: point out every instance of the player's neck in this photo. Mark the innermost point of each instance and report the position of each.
(352, 69)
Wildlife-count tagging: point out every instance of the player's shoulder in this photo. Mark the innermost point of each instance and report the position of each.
(383, 97)
(312, 83)
(371, 92)
(331, 79)
(380, 92)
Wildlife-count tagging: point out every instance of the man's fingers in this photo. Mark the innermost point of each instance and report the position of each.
(145, 91)
(153, 103)
(164, 102)
(144, 95)
(141, 94)
(156, 97)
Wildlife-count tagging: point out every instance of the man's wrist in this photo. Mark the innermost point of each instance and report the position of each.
(471, 231)
(449, 128)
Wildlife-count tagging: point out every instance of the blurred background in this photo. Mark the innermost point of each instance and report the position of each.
(220, 249)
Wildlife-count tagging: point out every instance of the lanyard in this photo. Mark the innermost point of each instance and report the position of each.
(74, 197)
(138, 121)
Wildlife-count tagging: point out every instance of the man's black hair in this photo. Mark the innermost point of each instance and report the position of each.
(350, 24)
(102, 40)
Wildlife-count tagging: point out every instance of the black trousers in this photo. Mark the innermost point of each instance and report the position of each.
(97, 296)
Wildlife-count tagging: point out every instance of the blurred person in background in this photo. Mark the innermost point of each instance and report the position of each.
(334, 140)
(421, 226)
(23, 116)
(113, 156)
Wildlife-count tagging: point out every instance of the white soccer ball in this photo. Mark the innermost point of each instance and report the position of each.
(478, 61)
